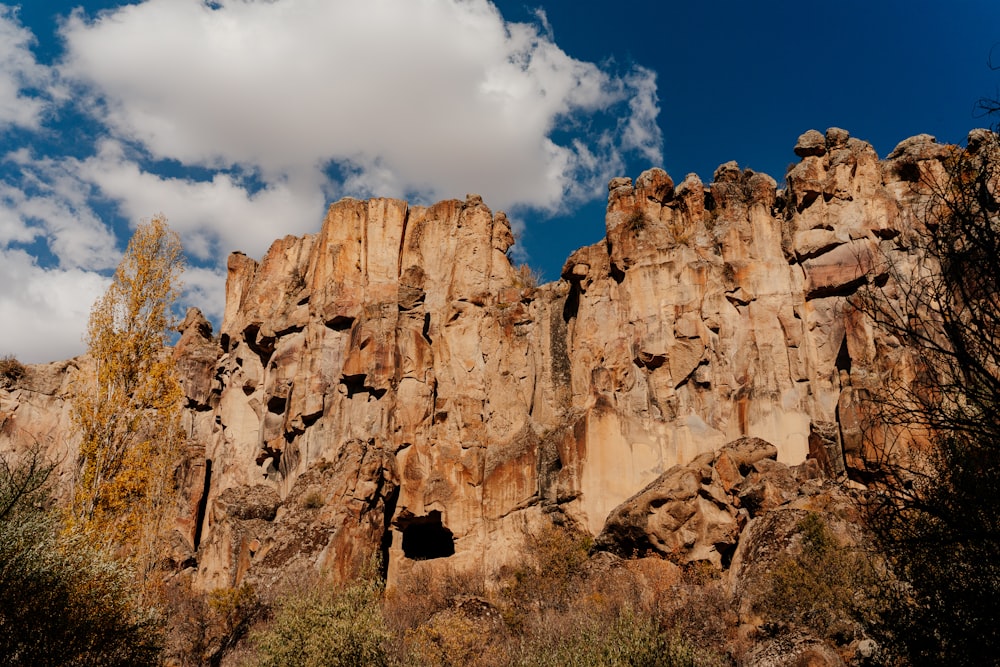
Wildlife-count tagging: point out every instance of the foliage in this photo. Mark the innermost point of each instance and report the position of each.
(627, 639)
(327, 626)
(527, 277)
(699, 608)
(313, 500)
(23, 481)
(636, 221)
(232, 611)
(552, 580)
(932, 514)
(11, 370)
(453, 638)
(824, 587)
(62, 601)
(127, 409)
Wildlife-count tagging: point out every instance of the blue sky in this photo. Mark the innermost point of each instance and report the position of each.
(240, 120)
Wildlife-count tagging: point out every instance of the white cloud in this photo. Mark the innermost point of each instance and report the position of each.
(642, 133)
(206, 290)
(44, 311)
(52, 203)
(424, 99)
(213, 217)
(18, 72)
(429, 97)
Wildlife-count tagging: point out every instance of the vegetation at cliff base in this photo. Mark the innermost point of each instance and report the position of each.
(62, 601)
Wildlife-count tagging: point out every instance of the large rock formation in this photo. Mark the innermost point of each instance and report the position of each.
(392, 383)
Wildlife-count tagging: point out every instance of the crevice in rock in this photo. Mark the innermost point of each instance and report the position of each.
(886, 234)
(262, 346)
(819, 250)
(202, 505)
(386, 543)
(808, 197)
(426, 330)
(844, 290)
(276, 404)
(726, 553)
(616, 273)
(843, 362)
(908, 171)
(291, 329)
(268, 452)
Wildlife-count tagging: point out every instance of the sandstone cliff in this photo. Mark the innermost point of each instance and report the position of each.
(392, 384)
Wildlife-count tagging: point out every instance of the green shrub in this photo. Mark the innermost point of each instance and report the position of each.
(62, 602)
(627, 640)
(824, 587)
(327, 626)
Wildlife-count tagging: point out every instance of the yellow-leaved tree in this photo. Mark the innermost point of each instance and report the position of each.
(127, 407)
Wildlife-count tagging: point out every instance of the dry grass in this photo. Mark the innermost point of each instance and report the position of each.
(11, 370)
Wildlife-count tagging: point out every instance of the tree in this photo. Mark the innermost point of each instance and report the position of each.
(127, 407)
(61, 601)
(931, 511)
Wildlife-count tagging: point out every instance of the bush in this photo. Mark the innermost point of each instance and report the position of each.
(313, 500)
(826, 587)
(61, 601)
(933, 434)
(527, 277)
(11, 370)
(552, 581)
(636, 222)
(327, 626)
(454, 637)
(627, 639)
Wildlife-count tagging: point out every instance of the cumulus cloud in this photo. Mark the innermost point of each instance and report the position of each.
(49, 202)
(432, 97)
(241, 119)
(214, 216)
(44, 310)
(19, 73)
(206, 290)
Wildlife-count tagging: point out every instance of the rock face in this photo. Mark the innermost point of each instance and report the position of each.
(696, 512)
(392, 384)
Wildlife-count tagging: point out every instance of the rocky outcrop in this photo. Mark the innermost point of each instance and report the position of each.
(696, 511)
(392, 384)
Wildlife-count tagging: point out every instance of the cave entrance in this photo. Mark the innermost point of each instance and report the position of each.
(425, 537)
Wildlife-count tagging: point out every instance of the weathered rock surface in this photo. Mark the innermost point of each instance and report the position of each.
(794, 650)
(696, 511)
(392, 385)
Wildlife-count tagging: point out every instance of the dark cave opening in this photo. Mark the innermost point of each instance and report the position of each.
(843, 362)
(425, 537)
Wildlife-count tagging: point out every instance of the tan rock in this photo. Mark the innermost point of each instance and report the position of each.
(397, 365)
